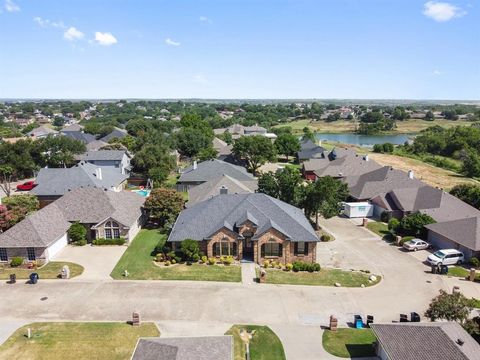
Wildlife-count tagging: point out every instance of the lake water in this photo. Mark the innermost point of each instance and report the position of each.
(365, 140)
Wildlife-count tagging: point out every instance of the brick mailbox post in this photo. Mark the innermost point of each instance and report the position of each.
(263, 276)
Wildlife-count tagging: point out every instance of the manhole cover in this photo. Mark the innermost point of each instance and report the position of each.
(44, 298)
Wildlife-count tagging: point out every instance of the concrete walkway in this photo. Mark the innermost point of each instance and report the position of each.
(248, 273)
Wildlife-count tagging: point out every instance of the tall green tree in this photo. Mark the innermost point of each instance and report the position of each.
(287, 144)
(469, 193)
(283, 185)
(255, 151)
(155, 161)
(60, 151)
(471, 164)
(164, 205)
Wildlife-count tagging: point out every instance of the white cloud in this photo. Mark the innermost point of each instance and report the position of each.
(205, 19)
(442, 11)
(72, 34)
(10, 6)
(200, 78)
(105, 39)
(437, 72)
(170, 42)
(46, 23)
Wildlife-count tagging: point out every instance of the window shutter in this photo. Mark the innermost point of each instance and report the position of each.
(263, 250)
(234, 249)
(280, 250)
(295, 248)
(306, 248)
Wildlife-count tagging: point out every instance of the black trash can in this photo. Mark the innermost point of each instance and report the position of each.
(434, 269)
(369, 320)
(444, 270)
(13, 278)
(414, 317)
(33, 278)
(403, 318)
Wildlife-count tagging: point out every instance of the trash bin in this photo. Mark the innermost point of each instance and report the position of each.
(13, 278)
(358, 322)
(33, 278)
(444, 270)
(414, 317)
(403, 318)
(369, 320)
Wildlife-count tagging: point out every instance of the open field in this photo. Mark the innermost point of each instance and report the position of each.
(349, 343)
(48, 271)
(265, 345)
(432, 175)
(138, 261)
(348, 126)
(73, 340)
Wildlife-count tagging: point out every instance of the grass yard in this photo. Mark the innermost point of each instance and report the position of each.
(265, 345)
(349, 343)
(325, 277)
(379, 228)
(460, 271)
(71, 340)
(138, 261)
(48, 271)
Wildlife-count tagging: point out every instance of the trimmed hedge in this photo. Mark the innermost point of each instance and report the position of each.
(304, 266)
(16, 261)
(102, 241)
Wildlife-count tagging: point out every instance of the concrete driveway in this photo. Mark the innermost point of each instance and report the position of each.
(98, 261)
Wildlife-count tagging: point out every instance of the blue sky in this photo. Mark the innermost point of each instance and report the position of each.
(390, 49)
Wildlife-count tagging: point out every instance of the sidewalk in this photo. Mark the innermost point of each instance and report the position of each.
(248, 273)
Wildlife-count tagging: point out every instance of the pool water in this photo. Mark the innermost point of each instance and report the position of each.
(143, 193)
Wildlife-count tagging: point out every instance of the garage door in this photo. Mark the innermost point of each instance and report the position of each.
(57, 246)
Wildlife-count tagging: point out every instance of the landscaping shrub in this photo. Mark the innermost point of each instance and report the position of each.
(196, 258)
(393, 224)
(289, 267)
(325, 237)
(103, 241)
(385, 217)
(77, 232)
(173, 261)
(228, 260)
(160, 257)
(190, 248)
(16, 261)
(413, 224)
(405, 239)
(204, 259)
(304, 266)
(80, 242)
(266, 264)
(167, 263)
(475, 262)
(212, 261)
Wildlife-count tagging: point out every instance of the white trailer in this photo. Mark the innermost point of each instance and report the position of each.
(358, 209)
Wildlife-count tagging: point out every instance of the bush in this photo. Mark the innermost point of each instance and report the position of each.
(228, 260)
(195, 258)
(173, 261)
(204, 259)
(475, 262)
(16, 261)
(167, 263)
(102, 241)
(304, 266)
(80, 242)
(405, 239)
(385, 217)
(160, 257)
(211, 261)
(77, 232)
(325, 237)
(190, 249)
(289, 267)
(393, 224)
(266, 264)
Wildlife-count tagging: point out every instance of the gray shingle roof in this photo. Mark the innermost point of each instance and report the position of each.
(185, 348)
(212, 187)
(102, 155)
(465, 231)
(116, 133)
(210, 169)
(42, 131)
(86, 205)
(57, 181)
(426, 341)
(222, 147)
(39, 229)
(96, 145)
(350, 165)
(310, 150)
(73, 127)
(80, 136)
(382, 180)
(207, 217)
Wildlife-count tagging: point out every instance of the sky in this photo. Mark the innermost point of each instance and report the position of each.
(229, 49)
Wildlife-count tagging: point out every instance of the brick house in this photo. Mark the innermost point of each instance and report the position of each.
(247, 226)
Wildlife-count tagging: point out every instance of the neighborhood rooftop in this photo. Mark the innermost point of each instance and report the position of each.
(210, 169)
(231, 210)
(102, 155)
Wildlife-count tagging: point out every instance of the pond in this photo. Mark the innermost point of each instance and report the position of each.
(365, 140)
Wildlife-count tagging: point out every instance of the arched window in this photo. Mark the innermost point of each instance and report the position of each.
(225, 248)
(112, 230)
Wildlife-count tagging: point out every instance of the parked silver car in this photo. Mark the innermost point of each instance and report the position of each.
(415, 244)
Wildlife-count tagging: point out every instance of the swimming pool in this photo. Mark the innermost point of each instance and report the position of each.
(144, 193)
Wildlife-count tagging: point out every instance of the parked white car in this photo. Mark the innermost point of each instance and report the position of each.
(446, 257)
(415, 244)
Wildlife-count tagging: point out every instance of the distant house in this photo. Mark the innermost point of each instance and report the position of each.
(105, 214)
(224, 151)
(208, 170)
(117, 133)
(247, 226)
(80, 136)
(237, 130)
(219, 185)
(424, 341)
(73, 127)
(42, 132)
(56, 182)
(114, 159)
(310, 150)
(185, 348)
(95, 145)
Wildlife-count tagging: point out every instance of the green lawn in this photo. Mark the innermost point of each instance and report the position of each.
(138, 261)
(349, 343)
(48, 271)
(325, 277)
(378, 228)
(459, 271)
(71, 340)
(264, 345)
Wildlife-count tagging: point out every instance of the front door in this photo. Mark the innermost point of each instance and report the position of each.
(248, 248)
